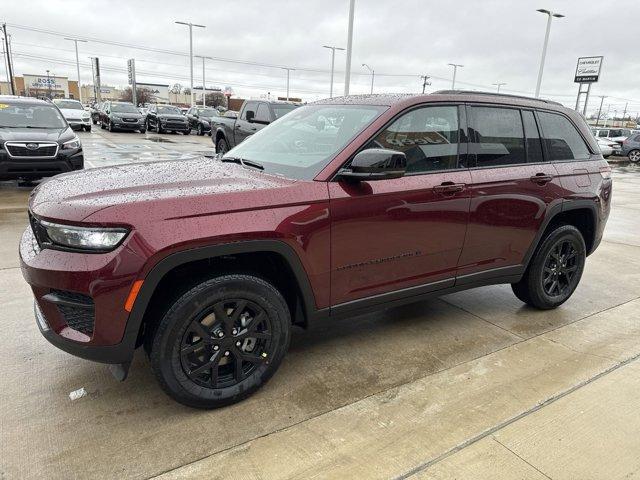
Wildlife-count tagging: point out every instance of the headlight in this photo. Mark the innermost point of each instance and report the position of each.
(71, 144)
(205, 122)
(84, 238)
(86, 116)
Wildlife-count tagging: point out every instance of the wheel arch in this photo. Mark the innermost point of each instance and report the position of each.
(582, 214)
(204, 260)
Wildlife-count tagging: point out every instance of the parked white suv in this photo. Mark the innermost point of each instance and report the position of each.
(75, 114)
(617, 135)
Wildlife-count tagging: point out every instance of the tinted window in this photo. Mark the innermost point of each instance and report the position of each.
(534, 144)
(603, 133)
(250, 106)
(262, 114)
(35, 116)
(428, 136)
(498, 135)
(561, 137)
(282, 109)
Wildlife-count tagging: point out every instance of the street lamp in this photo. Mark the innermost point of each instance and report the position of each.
(347, 70)
(373, 74)
(191, 25)
(204, 93)
(544, 46)
(288, 71)
(76, 40)
(333, 62)
(499, 84)
(455, 70)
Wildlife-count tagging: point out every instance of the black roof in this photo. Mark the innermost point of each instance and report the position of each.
(393, 98)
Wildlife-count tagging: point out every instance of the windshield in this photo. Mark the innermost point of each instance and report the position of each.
(123, 108)
(71, 104)
(30, 116)
(169, 110)
(280, 110)
(301, 144)
(207, 112)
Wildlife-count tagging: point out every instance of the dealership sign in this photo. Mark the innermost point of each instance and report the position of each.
(588, 69)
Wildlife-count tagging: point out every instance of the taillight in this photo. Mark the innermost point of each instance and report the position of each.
(605, 172)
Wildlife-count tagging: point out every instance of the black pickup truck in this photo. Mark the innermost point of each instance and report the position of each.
(227, 131)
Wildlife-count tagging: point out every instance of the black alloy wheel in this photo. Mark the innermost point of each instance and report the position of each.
(158, 127)
(200, 130)
(555, 269)
(560, 268)
(220, 341)
(226, 344)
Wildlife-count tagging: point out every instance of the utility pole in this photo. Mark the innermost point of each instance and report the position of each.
(288, 71)
(9, 66)
(455, 71)
(75, 41)
(333, 62)
(347, 70)
(625, 112)
(602, 97)
(499, 84)
(191, 25)
(544, 46)
(606, 115)
(424, 81)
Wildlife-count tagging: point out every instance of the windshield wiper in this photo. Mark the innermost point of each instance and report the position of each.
(243, 162)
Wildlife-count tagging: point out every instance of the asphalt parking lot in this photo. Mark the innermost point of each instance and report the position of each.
(469, 386)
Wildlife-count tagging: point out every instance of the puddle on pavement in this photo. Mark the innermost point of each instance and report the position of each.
(159, 140)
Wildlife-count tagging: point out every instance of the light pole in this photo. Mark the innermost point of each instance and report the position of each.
(288, 71)
(455, 71)
(75, 41)
(373, 74)
(49, 83)
(333, 62)
(544, 46)
(347, 70)
(191, 25)
(204, 89)
(499, 84)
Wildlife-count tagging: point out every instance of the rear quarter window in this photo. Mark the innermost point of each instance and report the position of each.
(561, 138)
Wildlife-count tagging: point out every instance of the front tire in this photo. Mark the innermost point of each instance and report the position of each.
(200, 130)
(221, 341)
(555, 269)
(221, 146)
(634, 156)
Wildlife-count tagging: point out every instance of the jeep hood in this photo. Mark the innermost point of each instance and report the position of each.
(157, 190)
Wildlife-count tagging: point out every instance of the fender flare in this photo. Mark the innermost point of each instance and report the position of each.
(565, 206)
(168, 263)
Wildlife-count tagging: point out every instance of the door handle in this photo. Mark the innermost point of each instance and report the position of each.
(541, 178)
(237, 127)
(449, 188)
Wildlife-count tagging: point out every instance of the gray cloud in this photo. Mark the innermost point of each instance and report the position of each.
(496, 40)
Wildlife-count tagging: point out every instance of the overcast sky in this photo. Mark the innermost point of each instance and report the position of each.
(495, 40)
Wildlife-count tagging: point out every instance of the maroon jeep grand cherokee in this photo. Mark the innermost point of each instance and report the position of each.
(342, 206)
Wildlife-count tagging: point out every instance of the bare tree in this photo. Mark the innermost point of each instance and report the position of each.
(176, 89)
(143, 95)
(216, 99)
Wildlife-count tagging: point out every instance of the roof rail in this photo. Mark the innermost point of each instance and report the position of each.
(492, 94)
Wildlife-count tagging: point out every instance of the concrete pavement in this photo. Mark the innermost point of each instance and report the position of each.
(472, 385)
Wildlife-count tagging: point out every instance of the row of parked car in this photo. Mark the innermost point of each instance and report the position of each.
(619, 141)
(160, 118)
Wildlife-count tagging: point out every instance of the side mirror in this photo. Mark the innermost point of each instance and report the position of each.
(376, 164)
(250, 115)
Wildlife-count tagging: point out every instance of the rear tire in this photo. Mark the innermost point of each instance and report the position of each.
(221, 341)
(555, 269)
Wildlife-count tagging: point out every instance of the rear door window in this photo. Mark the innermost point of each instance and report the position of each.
(262, 114)
(561, 138)
(498, 136)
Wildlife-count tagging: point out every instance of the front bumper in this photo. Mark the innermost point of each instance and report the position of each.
(120, 125)
(12, 168)
(76, 124)
(105, 278)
